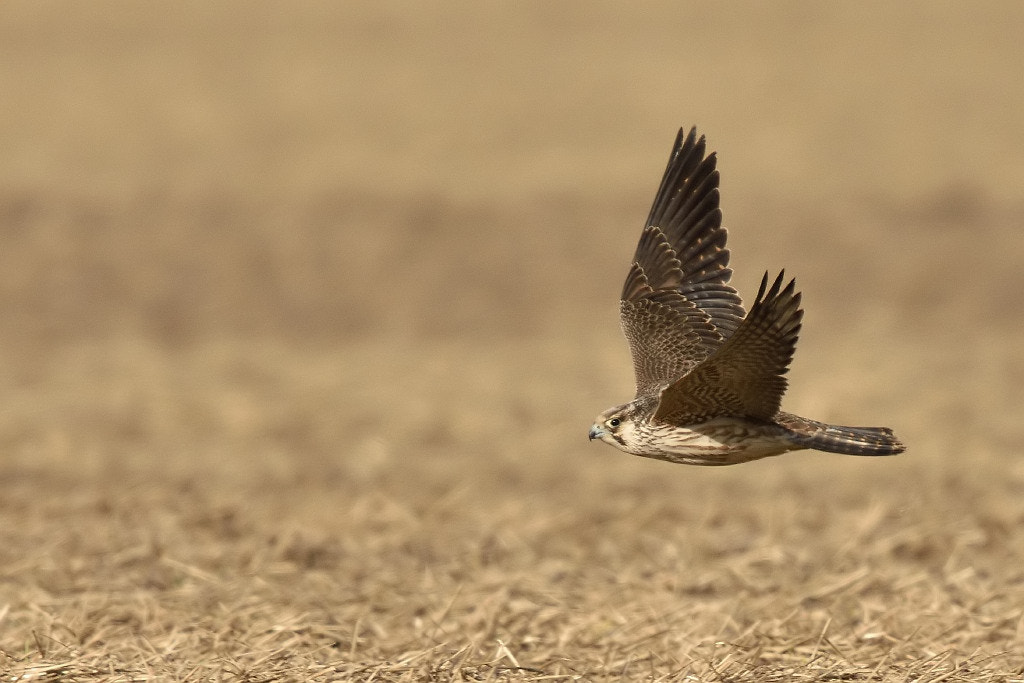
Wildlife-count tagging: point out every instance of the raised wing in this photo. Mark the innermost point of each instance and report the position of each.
(677, 306)
(745, 376)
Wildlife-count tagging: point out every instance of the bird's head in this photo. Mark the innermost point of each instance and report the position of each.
(617, 427)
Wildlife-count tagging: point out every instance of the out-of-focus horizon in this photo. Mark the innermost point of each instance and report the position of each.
(178, 153)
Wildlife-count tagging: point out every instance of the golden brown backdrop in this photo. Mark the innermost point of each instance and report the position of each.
(306, 310)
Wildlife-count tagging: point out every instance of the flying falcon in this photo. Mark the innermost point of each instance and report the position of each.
(709, 375)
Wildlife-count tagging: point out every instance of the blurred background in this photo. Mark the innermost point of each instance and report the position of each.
(353, 242)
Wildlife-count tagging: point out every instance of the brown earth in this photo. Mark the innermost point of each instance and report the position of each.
(306, 311)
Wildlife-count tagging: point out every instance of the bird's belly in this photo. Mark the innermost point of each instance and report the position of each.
(723, 441)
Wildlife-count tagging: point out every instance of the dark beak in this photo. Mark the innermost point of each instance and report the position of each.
(594, 433)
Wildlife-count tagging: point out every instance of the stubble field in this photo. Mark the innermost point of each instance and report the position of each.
(305, 313)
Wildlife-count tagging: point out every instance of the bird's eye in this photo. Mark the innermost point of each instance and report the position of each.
(614, 422)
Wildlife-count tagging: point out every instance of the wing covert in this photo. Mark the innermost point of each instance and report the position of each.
(667, 333)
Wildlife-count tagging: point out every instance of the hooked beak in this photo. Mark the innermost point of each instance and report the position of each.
(596, 432)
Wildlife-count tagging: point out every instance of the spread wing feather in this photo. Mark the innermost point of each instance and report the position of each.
(745, 377)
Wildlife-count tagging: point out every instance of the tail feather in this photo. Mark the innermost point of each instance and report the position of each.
(840, 439)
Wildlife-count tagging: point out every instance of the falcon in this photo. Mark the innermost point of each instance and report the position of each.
(709, 375)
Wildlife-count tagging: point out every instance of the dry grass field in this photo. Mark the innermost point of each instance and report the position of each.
(305, 311)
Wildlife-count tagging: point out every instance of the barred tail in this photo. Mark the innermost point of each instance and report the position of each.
(840, 439)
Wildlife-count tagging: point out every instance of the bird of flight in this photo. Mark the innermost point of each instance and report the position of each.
(709, 375)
